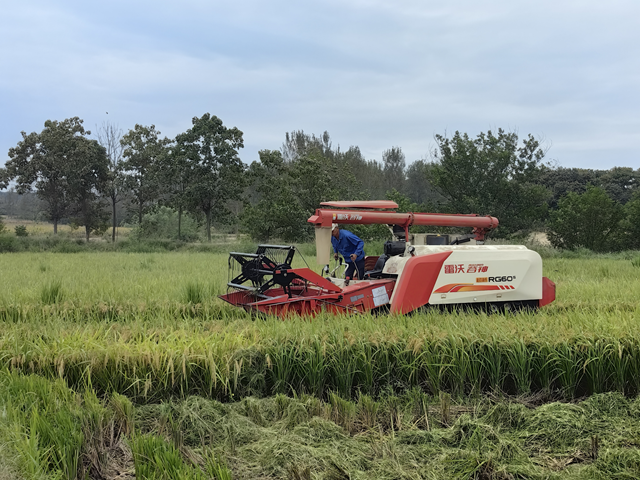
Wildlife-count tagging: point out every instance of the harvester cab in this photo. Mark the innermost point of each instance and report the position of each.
(415, 270)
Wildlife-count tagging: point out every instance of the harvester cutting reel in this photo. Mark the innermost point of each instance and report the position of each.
(263, 270)
(266, 282)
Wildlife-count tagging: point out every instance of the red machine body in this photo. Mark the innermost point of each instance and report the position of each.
(443, 275)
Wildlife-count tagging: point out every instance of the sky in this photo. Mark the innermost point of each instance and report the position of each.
(374, 74)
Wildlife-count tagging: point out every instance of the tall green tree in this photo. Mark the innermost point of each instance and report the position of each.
(491, 175)
(631, 223)
(297, 144)
(143, 153)
(368, 179)
(50, 162)
(90, 180)
(561, 181)
(394, 165)
(591, 220)
(174, 174)
(216, 172)
(276, 211)
(620, 183)
(418, 187)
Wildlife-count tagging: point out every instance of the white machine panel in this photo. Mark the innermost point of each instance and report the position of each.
(480, 273)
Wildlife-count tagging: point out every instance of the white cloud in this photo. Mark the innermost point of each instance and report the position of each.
(373, 73)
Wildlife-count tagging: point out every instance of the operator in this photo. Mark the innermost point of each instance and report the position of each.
(351, 247)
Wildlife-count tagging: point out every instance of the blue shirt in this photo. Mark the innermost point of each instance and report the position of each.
(348, 243)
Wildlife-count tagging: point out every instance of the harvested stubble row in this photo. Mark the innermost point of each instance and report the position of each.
(148, 358)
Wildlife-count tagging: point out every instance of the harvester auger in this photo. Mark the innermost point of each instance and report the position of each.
(416, 270)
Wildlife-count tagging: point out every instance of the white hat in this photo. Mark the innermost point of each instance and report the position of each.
(334, 226)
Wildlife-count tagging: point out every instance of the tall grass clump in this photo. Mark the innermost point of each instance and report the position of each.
(193, 293)
(42, 423)
(52, 292)
(156, 459)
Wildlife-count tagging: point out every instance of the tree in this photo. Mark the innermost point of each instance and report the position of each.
(561, 181)
(418, 187)
(143, 151)
(110, 136)
(591, 220)
(631, 223)
(620, 183)
(4, 178)
(174, 173)
(368, 175)
(297, 144)
(50, 161)
(90, 179)
(491, 175)
(276, 212)
(216, 172)
(394, 163)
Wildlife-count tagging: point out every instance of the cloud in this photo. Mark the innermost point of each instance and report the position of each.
(373, 73)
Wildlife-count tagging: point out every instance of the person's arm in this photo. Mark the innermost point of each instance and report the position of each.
(358, 243)
(359, 247)
(334, 244)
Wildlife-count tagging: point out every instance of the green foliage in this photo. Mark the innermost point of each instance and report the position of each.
(286, 188)
(21, 231)
(3, 227)
(631, 223)
(620, 183)
(162, 223)
(418, 187)
(4, 178)
(66, 168)
(491, 175)
(278, 212)
(209, 152)
(144, 153)
(591, 220)
(8, 244)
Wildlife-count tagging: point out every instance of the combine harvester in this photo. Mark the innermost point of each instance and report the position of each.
(415, 271)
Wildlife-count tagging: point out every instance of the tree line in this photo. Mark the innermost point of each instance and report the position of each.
(198, 175)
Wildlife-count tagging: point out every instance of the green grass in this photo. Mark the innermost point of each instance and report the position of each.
(150, 325)
(149, 352)
(53, 432)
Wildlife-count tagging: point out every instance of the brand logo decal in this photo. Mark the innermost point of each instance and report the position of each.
(462, 268)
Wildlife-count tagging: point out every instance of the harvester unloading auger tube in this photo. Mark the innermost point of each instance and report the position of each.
(415, 270)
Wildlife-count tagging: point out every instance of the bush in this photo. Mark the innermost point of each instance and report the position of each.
(163, 224)
(21, 231)
(3, 227)
(591, 220)
(8, 244)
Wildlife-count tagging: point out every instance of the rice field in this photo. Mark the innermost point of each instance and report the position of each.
(134, 342)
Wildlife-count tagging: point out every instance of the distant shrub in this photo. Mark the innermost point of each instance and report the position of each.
(3, 227)
(163, 224)
(8, 244)
(21, 231)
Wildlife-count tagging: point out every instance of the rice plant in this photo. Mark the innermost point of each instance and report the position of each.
(193, 293)
(52, 292)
